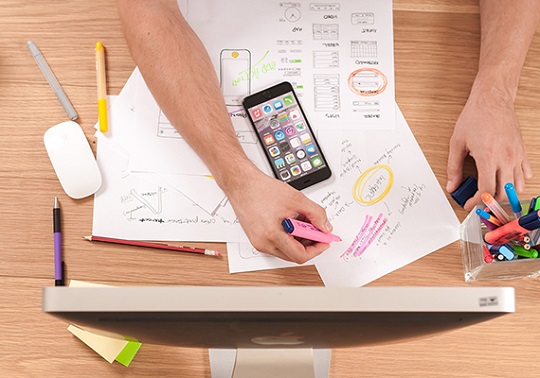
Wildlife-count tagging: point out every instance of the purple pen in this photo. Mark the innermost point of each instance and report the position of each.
(58, 265)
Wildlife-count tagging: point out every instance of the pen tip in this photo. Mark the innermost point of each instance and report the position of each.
(55, 202)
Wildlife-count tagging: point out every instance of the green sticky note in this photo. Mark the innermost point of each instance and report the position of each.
(128, 353)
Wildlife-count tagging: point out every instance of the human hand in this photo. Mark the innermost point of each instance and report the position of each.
(262, 202)
(489, 132)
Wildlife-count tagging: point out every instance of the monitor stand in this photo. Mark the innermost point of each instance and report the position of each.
(262, 363)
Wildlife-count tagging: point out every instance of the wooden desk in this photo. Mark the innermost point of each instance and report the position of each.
(436, 50)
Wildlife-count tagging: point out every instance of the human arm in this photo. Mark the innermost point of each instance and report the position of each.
(178, 72)
(488, 129)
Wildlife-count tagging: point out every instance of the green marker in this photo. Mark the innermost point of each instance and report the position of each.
(521, 251)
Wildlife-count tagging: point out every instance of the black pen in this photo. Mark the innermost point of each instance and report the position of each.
(58, 263)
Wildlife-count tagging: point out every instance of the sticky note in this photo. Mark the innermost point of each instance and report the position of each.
(107, 347)
(128, 353)
(112, 347)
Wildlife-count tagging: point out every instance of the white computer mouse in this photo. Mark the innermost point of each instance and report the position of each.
(72, 159)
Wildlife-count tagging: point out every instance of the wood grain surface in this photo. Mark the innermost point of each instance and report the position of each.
(436, 51)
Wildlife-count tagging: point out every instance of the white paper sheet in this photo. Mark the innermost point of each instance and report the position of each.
(156, 146)
(338, 55)
(244, 258)
(400, 214)
(385, 203)
(142, 206)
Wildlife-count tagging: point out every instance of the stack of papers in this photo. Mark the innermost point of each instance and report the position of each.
(382, 199)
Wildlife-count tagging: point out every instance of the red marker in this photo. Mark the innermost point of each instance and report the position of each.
(488, 257)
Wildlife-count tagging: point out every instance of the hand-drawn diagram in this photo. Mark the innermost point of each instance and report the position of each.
(235, 75)
(326, 32)
(373, 184)
(363, 18)
(367, 82)
(250, 253)
(326, 59)
(326, 92)
(325, 7)
(367, 106)
(142, 201)
(293, 14)
(364, 49)
(165, 128)
(369, 191)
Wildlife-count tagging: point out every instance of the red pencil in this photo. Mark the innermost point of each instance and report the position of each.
(153, 245)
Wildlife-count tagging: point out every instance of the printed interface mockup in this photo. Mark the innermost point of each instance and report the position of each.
(286, 136)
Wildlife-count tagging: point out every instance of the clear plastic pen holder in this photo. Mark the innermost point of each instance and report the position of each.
(472, 233)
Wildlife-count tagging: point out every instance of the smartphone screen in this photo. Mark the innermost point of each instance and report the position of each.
(286, 136)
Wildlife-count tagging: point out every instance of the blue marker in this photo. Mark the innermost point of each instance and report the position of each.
(490, 218)
(513, 199)
(532, 204)
(504, 250)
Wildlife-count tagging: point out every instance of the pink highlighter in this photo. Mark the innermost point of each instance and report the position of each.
(307, 231)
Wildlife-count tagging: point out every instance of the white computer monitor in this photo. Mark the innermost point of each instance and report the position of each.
(285, 318)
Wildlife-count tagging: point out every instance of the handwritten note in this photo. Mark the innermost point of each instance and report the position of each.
(384, 202)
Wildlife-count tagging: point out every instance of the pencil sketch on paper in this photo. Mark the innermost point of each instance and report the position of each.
(250, 253)
(165, 128)
(373, 184)
(371, 190)
(235, 75)
(367, 82)
(136, 202)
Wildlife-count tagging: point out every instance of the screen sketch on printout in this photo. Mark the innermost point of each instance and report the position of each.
(235, 75)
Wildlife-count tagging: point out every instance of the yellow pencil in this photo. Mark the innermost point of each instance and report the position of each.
(102, 88)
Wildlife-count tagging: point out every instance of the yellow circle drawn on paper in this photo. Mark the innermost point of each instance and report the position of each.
(364, 179)
(235, 54)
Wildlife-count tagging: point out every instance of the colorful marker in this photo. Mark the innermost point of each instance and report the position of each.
(515, 229)
(488, 257)
(307, 231)
(532, 204)
(520, 251)
(57, 230)
(101, 88)
(482, 214)
(513, 199)
(535, 235)
(495, 208)
(490, 226)
(505, 250)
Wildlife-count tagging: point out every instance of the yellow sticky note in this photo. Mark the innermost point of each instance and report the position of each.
(107, 347)
(112, 347)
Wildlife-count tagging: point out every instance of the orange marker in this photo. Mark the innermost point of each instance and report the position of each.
(495, 208)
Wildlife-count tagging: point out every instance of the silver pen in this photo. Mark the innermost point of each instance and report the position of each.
(52, 80)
